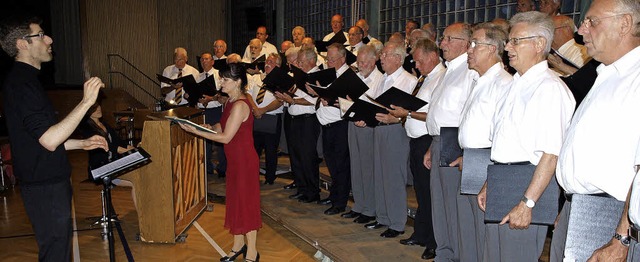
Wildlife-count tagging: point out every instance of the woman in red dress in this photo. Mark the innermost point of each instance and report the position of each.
(235, 131)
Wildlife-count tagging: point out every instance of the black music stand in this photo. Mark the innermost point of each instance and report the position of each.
(105, 174)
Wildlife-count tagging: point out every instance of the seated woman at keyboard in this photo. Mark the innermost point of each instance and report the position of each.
(92, 125)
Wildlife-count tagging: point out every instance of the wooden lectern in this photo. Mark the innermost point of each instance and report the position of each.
(171, 190)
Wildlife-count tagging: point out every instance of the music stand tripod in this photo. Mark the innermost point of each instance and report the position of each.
(107, 185)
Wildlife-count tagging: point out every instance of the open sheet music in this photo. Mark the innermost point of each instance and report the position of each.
(130, 160)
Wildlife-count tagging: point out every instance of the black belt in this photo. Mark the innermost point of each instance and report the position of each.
(633, 233)
(302, 116)
(569, 197)
(334, 123)
(387, 124)
(522, 163)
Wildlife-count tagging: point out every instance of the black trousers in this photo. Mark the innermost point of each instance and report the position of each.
(269, 143)
(303, 132)
(335, 147)
(211, 117)
(423, 225)
(49, 209)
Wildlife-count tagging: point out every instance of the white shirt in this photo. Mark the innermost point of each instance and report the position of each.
(373, 81)
(297, 109)
(172, 72)
(532, 118)
(267, 48)
(599, 152)
(478, 111)
(255, 83)
(330, 114)
(330, 35)
(449, 96)
(216, 78)
(354, 49)
(634, 200)
(400, 79)
(416, 128)
(574, 52)
(218, 58)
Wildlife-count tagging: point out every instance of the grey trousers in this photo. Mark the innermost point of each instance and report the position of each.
(556, 254)
(471, 228)
(361, 154)
(504, 244)
(391, 165)
(444, 191)
(634, 252)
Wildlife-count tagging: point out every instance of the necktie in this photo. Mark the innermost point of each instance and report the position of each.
(261, 94)
(178, 96)
(351, 49)
(418, 85)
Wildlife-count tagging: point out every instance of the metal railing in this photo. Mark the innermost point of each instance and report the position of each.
(146, 93)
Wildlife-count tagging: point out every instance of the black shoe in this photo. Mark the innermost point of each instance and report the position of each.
(411, 242)
(296, 196)
(334, 210)
(268, 182)
(307, 199)
(250, 260)
(429, 253)
(325, 201)
(390, 233)
(350, 214)
(242, 251)
(374, 225)
(363, 219)
(291, 186)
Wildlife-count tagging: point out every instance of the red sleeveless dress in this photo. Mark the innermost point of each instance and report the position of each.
(242, 181)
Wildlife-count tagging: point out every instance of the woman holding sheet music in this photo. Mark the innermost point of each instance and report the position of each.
(235, 131)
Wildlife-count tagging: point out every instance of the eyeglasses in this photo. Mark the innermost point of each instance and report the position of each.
(563, 26)
(516, 40)
(442, 38)
(40, 34)
(475, 43)
(595, 21)
(384, 55)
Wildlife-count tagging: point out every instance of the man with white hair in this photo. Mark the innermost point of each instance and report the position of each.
(612, 36)
(528, 129)
(174, 94)
(447, 101)
(266, 47)
(550, 7)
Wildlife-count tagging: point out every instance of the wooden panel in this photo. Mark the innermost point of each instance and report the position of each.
(145, 33)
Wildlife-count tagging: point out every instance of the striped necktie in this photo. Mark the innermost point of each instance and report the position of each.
(260, 96)
(418, 85)
(178, 96)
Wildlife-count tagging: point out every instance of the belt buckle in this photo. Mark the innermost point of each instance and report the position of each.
(633, 233)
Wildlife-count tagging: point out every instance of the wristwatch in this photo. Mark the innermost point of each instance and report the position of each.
(528, 202)
(625, 240)
(409, 115)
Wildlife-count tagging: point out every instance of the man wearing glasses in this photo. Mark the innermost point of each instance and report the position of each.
(612, 36)
(528, 129)
(38, 141)
(485, 57)
(445, 110)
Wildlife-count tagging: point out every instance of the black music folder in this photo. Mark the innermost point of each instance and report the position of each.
(256, 64)
(278, 81)
(348, 84)
(130, 160)
(449, 147)
(592, 222)
(185, 80)
(397, 97)
(362, 110)
(221, 64)
(176, 119)
(474, 170)
(197, 90)
(506, 184)
(351, 58)
(321, 46)
(324, 77)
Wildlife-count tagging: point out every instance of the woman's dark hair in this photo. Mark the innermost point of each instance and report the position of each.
(88, 123)
(236, 71)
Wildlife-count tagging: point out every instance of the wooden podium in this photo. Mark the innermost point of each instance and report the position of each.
(171, 190)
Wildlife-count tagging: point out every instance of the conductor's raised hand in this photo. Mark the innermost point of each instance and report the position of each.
(91, 90)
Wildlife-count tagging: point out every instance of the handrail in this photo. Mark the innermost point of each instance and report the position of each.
(133, 82)
(132, 66)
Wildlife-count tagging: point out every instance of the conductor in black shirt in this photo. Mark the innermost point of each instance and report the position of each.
(38, 140)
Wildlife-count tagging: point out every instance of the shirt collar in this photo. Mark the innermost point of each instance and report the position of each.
(624, 64)
(455, 63)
